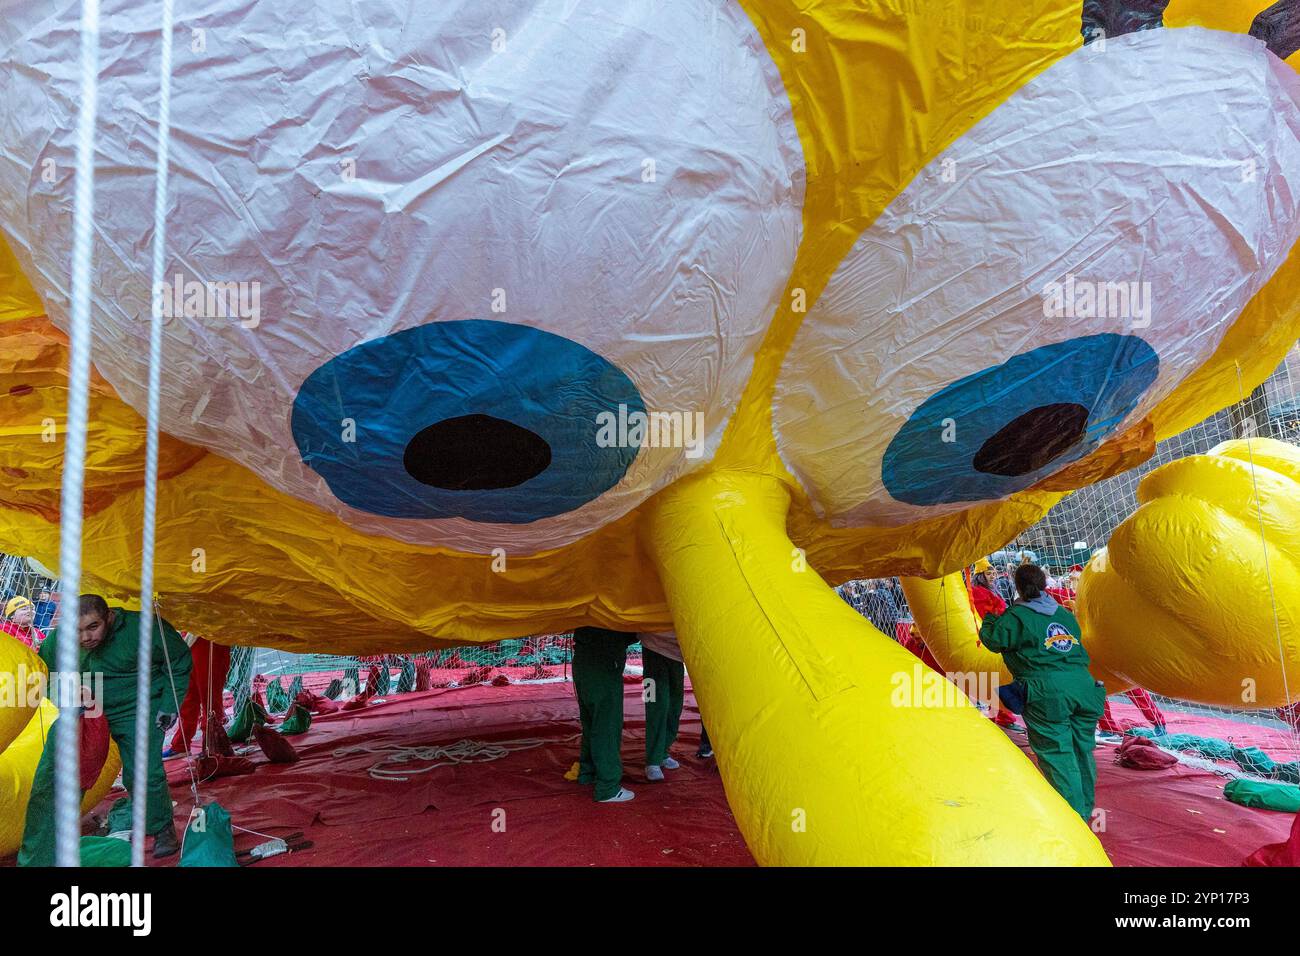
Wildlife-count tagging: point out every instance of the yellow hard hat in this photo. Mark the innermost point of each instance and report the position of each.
(16, 604)
(983, 565)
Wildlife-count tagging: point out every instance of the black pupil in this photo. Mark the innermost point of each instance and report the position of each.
(475, 453)
(1030, 441)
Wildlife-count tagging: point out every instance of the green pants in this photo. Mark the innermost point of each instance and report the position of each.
(598, 662)
(663, 703)
(38, 833)
(1061, 715)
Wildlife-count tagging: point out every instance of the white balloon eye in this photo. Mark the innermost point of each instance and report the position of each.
(1047, 280)
(486, 229)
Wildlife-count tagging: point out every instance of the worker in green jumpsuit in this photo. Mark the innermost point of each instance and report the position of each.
(599, 656)
(109, 639)
(1040, 642)
(663, 690)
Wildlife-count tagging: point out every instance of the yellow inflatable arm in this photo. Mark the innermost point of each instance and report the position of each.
(950, 628)
(830, 750)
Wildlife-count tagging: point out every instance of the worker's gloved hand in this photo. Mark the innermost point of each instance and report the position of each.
(166, 721)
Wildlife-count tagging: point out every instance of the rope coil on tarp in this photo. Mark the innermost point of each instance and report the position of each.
(394, 757)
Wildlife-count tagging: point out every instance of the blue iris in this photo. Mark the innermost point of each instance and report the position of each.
(476, 419)
(1005, 428)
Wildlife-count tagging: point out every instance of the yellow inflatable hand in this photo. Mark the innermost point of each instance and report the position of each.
(22, 675)
(1197, 595)
(18, 769)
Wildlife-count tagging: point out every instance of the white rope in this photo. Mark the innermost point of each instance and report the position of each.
(144, 662)
(441, 755)
(255, 832)
(177, 701)
(67, 754)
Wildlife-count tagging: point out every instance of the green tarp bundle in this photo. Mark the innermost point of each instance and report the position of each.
(1264, 795)
(277, 699)
(296, 722)
(105, 851)
(209, 840)
(406, 681)
(241, 725)
(119, 816)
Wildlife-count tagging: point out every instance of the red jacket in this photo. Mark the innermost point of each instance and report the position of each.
(986, 602)
(32, 636)
(1063, 596)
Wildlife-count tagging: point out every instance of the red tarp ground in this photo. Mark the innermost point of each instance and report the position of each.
(1153, 818)
(1179, 816)
(446, 816)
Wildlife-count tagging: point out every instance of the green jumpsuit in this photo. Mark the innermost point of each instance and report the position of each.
(599, 655)
(663, 705)
(115, 659)
(1062, 702)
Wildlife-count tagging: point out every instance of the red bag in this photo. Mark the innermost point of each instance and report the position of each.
(217, 766)
(1141, 753)
(94, 748)
(215, 740)
(276, 748)
(315, 703)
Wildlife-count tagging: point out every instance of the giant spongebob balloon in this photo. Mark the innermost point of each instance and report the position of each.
(899, 275)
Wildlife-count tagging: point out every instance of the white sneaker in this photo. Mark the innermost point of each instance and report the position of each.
(653, 773)
(623, 796)
(670, 764)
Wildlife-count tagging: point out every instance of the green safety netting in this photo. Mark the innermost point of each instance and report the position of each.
(1252, 760)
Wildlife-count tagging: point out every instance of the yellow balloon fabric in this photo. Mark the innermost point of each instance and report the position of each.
(22, 685)
(836, 746)
(18, 769)
(880, 108)
(1197, 595)
(951, 630)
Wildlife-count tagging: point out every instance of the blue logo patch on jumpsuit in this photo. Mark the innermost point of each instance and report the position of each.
(1059, 638)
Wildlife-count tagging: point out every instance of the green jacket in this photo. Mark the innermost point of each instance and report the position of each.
(115, 659)
(1036, 645)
